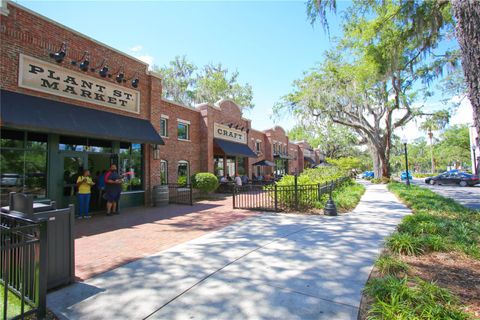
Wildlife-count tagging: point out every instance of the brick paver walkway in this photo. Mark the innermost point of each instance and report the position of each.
(104, 243)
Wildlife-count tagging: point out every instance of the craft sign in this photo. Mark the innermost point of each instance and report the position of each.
(224, 132)
(38, 75)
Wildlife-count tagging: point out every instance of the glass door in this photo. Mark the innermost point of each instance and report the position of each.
(73, 164)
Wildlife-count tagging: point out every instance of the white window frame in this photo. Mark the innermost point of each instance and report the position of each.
(166, 127)
(187, 124)
(188, 168)
(163, 161)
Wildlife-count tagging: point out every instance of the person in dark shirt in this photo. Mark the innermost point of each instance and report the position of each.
(113, 188)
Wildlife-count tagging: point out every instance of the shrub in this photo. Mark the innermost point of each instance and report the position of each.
(205, 182)
(182, 180)
(308, 183)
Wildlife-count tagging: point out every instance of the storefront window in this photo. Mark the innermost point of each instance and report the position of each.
(69, 143)
(23, 165)
(218, 166)
(163, 172)
(183, 172)
(130, 163)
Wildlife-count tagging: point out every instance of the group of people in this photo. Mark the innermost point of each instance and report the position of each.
(109, 184)
(239, 181)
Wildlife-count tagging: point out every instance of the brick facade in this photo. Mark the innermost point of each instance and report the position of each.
(25, 32)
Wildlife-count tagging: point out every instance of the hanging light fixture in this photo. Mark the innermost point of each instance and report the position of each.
(134, 79)
(84, 61)
(135, 82)
(120, 75)
(60, 54)
(104, 71)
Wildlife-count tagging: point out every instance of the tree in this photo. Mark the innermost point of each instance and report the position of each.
(184, 83)
(454, 147)
(334, 140)
(178, 80)
(427, 18)
(368, 83)
(434, 123)
(214, 83)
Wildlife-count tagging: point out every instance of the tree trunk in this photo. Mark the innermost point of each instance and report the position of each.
(467, 14)
(381, 166)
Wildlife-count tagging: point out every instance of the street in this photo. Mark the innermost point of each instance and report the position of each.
(468, 196)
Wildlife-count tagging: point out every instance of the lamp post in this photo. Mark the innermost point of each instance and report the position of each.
(474, 147)
(404, 140)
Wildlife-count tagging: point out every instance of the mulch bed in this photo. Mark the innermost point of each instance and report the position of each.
(451, 270)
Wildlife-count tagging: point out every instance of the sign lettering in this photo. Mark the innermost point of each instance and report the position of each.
(45, 77)
(226, 133)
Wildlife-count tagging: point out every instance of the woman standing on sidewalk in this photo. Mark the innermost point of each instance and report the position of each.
(84, 183)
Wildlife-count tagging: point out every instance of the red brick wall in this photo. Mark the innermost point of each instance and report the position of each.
(176, 150)
(255, 135)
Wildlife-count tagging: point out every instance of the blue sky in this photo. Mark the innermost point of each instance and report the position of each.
(270, 43)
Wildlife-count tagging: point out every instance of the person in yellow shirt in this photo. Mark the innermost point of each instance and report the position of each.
(84, 183)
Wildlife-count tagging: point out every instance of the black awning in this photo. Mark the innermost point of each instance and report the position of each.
(309, 160)
(264, 163)
(235, 149)
(38, 114)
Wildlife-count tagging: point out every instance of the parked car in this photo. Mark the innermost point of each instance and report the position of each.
(463, 179)
(367, 175)
(403, 176)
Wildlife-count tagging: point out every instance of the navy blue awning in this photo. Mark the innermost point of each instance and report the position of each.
(309, 160)
(235, 149)
(264, 163)
(26, 112)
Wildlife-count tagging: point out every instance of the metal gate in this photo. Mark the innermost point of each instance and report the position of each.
(277, 198)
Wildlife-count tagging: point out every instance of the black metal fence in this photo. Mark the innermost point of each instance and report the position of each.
(180, 193)
(23, 265)
(282, 198)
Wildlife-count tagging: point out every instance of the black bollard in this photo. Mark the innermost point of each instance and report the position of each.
(330, 207)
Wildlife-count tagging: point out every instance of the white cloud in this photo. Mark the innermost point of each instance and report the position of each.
(136, 48)
(147, 59)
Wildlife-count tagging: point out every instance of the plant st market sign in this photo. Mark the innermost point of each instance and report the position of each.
(38, 75)
(226, 133)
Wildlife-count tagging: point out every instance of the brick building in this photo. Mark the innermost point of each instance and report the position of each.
(69, 102)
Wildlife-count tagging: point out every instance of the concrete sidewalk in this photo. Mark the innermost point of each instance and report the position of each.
(273, 266)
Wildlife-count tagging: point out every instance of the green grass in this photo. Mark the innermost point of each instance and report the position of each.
(14, 304)
(403, 298)
(391, 265)
(438, 224)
